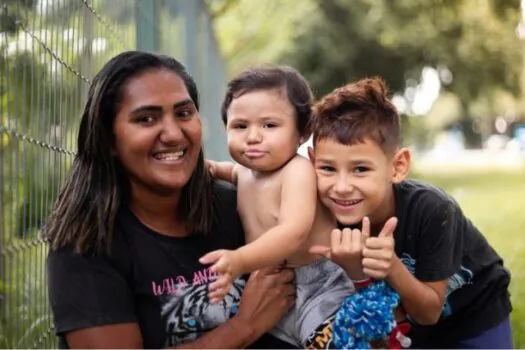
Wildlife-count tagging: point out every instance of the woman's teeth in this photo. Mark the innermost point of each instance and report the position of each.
(169, 156)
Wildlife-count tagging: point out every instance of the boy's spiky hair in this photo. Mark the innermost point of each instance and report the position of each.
(355, 112)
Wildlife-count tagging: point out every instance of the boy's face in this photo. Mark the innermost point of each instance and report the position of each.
(356, 181)
(262, 131)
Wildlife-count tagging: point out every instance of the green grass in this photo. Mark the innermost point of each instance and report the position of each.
(495, 202)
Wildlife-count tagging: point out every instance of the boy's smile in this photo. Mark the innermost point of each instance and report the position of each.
(346, 205)
(354, 181)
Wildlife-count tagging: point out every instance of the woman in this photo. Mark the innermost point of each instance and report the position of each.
(137, 212)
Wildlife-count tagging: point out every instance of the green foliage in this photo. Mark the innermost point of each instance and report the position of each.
(395, 39)
(257, 32)
(10, 14)
(25, 320)
(472, 44)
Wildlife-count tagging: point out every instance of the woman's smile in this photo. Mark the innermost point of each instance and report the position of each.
(158, 132)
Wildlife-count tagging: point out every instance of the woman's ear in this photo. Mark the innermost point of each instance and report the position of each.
(400, 165)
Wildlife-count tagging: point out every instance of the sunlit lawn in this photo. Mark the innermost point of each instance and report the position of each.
(495, 202)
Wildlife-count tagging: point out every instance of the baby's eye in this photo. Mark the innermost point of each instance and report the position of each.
(270, 125)
(238, 126)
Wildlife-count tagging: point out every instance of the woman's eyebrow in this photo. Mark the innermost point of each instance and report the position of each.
(183, 103)
(147, 108)
(155, 108)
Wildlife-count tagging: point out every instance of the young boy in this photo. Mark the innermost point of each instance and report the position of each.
(266, 112)
(453, 285)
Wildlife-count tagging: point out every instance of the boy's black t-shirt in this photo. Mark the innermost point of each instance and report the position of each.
(436, 242)
(151, 279)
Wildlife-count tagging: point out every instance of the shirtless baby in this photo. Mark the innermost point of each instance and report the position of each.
(266, 112)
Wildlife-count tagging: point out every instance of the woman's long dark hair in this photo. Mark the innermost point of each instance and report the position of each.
(91, 196)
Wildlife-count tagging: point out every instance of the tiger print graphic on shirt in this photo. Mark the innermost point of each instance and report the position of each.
(188, 312)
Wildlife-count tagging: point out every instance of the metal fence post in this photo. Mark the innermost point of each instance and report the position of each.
(146, 31)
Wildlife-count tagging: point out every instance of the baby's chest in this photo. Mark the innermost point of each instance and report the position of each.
(259, 206)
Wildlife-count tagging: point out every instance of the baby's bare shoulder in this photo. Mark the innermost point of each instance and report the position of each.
(298, 165)
(242, 171)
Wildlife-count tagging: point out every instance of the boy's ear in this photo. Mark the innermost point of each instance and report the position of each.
(400, 165)
(311, 154)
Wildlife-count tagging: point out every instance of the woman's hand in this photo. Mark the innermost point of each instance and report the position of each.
(268, 295)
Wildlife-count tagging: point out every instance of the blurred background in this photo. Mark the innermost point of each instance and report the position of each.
(454, 68)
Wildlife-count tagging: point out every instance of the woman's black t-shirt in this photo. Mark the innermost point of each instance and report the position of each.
(149, 278)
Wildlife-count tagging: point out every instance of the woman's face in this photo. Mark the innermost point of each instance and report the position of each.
(157, 132)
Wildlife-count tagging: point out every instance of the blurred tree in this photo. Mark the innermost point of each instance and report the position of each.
(472, 44)
(257, 32)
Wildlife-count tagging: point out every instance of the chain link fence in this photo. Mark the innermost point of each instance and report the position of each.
(50, 49)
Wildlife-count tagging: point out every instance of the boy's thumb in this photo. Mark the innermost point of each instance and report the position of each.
(389, 228)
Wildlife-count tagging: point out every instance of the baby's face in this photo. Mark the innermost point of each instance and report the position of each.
(262, 131)
(353, 181)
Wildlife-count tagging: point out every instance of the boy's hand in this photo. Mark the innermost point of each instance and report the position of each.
(227, 264)
(379, 252)
(346, 249)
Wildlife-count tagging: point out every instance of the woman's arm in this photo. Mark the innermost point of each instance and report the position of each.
(233, 334)
(267, 297)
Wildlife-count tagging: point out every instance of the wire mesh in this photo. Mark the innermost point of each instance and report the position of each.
(50, 49)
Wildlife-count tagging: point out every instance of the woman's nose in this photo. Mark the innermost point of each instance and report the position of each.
(171, 131)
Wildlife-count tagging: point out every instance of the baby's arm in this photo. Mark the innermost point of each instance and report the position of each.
(296, 217)
(225, 171)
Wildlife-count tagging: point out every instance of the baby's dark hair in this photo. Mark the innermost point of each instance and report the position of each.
(355, 112)
(283, 78)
